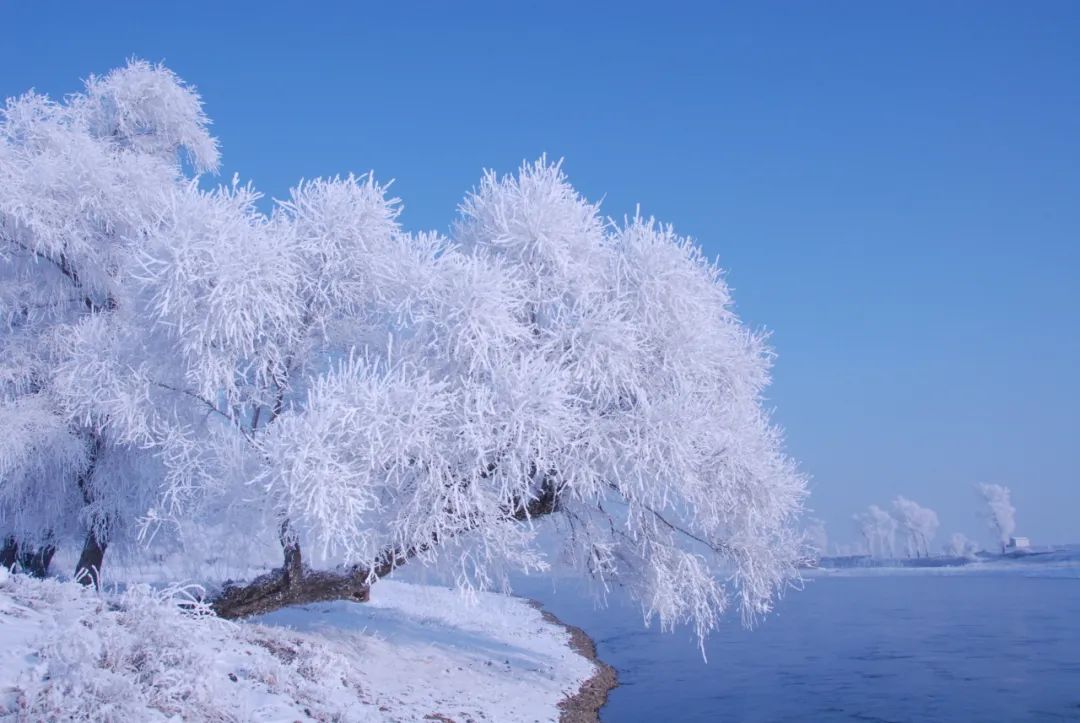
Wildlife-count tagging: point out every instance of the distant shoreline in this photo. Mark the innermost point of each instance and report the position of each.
(847, 562)
(583, 706)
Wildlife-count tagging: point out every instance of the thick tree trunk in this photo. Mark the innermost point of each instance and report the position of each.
(291, 584)
(280, 588)
(9, 553)
(88, 570)
(37, 562)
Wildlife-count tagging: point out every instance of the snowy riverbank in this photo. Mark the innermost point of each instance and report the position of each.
(414, 652)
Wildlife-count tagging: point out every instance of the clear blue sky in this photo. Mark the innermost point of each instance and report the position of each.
(894, 187)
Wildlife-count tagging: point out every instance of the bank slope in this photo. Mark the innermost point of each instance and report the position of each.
(414, 652)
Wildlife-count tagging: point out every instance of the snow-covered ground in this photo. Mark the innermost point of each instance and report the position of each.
(414, 652)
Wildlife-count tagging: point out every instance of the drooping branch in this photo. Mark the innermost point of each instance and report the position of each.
(72, 274)
(210, 407)
(717, 547)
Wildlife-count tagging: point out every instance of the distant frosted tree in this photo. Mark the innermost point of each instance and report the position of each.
(371, 396)
(867, 531)
(1000, 513)
(920, 524)
(878, 530)
(961, 546)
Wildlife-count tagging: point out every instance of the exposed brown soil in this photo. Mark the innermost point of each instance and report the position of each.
(583, 706)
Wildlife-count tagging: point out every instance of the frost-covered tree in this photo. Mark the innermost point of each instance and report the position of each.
(878, 530)
(539, 363)
(960, 545)
(82, 182)
(1000, 513)
(920, 524)
(371, 396)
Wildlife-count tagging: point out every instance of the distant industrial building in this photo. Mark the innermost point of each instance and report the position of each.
(1019, 543)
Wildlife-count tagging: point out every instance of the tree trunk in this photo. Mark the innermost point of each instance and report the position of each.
(37, 562)
(88, 571)
(293, 568)
(281, 588)
(9, 553)
(291, 584)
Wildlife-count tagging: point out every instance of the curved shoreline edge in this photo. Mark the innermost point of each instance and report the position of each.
(584, 705)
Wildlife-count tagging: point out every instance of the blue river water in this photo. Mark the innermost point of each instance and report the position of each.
(873, 645)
